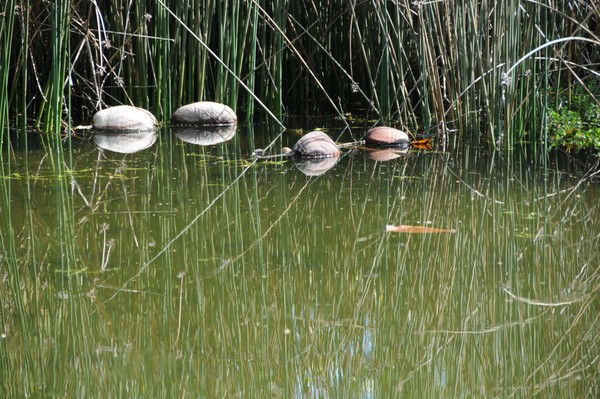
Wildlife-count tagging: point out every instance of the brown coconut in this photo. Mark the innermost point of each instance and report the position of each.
(204, 113)
(124, 118)
(316, 144)
(383, 136)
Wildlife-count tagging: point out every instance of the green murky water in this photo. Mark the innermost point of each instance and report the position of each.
(190, 271)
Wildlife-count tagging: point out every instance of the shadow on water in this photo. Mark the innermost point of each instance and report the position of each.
(190, 269)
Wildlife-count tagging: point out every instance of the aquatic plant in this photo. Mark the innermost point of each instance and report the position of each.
(462, 65)
(574, 120)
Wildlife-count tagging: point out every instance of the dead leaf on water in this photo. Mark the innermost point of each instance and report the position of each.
(416, 229)
(422, 144)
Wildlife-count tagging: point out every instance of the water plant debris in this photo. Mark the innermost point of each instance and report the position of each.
(416, 229)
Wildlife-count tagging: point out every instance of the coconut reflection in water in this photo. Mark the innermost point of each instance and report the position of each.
(125, 143)
(205, 135)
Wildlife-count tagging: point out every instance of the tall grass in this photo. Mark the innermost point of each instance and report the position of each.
(414, 64)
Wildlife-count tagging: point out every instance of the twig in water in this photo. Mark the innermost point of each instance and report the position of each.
(540, 303)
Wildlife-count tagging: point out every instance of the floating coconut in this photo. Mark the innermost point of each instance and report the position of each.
(125, 143)
(383, 136)
(204, 113)
(124, 118)
(316, 144)
(205, 135)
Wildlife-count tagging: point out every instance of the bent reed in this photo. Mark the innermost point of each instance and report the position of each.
(481, 67)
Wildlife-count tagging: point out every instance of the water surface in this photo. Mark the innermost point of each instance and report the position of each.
(184, 270)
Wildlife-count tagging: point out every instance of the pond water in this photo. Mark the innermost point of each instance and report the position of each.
(184, 270)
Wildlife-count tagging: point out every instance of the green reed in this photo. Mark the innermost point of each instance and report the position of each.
(14, 313)
(413, 64)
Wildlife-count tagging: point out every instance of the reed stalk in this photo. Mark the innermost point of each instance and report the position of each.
(7, 22)
(404, 63)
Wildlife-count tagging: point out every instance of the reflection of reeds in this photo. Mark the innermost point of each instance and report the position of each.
(229, 277)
